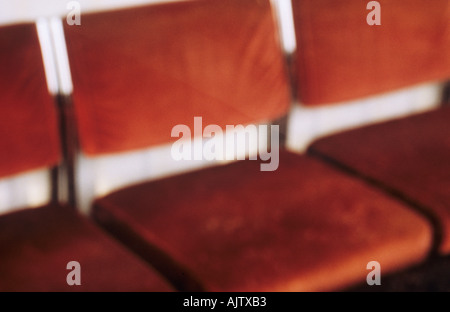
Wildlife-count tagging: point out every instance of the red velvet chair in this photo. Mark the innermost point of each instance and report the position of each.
(340, 57)
(139, 72)
(37, 244)
(407, 157)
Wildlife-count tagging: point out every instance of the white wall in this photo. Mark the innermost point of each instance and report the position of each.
(14, 11)
(307, 124)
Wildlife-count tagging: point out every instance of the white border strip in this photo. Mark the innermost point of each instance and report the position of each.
(61, 56)
(48, 57)
(283, 9)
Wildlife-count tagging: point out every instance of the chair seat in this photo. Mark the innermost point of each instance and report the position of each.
(36, 245)
(409, 155)
(304, 226)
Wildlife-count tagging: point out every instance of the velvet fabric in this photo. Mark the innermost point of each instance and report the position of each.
(160, 65)
(304, 226)
(409, 155)
(28, 125)
(37, 244)
(340, 57)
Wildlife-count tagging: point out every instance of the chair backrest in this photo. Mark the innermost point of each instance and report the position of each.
(28, 120)
(139, 72)
(341, 57)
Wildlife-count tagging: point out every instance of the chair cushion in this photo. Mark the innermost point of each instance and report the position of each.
(304, 226)
(340, 57)
(28, 124)
(36, 245)
(139, 72)
(409, 155)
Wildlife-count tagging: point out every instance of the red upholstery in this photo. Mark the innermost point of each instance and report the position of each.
(37, 244)
(161, 65)
(235, 228)
(340, 57)
(28, 126)
(409, 155)
(139, 72)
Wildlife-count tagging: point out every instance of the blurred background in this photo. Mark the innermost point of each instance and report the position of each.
(98, 176)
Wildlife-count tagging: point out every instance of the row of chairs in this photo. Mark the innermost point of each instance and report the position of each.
(380, 193)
